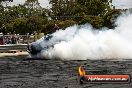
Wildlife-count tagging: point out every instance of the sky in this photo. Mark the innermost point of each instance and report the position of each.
(122, 4)
(43, 3)
(119, 4)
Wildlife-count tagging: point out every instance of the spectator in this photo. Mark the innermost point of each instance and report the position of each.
(3, 29)
(17, 39)
(1, 38)
(55, 28)
(13, 39)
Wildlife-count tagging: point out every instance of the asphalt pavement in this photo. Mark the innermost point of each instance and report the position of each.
(20, 72)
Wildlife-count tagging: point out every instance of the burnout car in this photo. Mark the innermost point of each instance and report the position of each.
(50, 40)
(44, 43)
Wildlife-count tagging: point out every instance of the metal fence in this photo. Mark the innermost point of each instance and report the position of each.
(13, 47)
(14, 43)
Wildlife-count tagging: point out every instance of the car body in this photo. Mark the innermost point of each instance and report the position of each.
(50, 40)
(43, 44)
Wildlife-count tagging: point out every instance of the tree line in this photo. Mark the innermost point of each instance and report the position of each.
(31, 17)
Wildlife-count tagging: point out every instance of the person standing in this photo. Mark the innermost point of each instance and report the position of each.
(1, 38)
(3, 29)
(55, 28)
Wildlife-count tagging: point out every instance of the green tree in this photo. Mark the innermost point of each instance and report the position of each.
(32, 17)
(19, 19)
(62, 8)
(36, 23)
(110, 16)
(19, 25)
(32, 4)
(94, 7)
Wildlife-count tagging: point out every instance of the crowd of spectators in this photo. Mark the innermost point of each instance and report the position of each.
(9, 39)
(12, 38)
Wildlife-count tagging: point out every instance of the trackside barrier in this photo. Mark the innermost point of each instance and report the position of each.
(13, 48)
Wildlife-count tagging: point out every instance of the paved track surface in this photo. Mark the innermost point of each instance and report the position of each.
(17, 72)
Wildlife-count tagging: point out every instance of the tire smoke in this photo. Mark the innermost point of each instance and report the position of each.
(82, 42)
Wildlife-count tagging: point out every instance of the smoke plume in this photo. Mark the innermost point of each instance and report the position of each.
(82, 42)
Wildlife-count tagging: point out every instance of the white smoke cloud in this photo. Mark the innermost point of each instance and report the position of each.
(83, 42)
